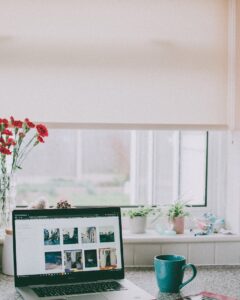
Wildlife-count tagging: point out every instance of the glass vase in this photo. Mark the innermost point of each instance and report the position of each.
(7, 200)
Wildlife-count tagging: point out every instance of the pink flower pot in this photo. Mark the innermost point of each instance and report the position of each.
(178, 225)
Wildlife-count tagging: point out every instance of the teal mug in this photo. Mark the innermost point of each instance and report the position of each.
(169, 270)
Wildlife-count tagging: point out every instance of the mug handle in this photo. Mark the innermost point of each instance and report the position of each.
(194, 269)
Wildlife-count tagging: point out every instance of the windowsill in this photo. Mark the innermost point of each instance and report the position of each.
(151, 236)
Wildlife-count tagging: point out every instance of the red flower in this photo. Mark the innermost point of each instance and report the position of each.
(29, 123)
(42, 130)
(12, 135)
(5, 151)
(5, 122)
(7, 132)
(10, 142)
(18, 124)
(40, 139)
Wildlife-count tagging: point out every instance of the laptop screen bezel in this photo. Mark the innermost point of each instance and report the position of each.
(75, 276)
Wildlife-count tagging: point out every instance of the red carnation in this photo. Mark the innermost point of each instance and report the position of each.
(5, 122)
(7, 132)
(11, 141)
(40, 139)
(18, 124)
(42, 130)
(2, 140)
(5, 151)
(29, 123)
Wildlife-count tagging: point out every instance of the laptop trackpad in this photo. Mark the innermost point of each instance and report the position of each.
(87, 297)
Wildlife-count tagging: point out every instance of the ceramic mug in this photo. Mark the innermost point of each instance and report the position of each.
(169, 270)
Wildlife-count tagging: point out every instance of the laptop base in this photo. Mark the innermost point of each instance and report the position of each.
(131, 292)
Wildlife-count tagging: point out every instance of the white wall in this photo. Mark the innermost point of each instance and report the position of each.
(115, 62)
(233, 182)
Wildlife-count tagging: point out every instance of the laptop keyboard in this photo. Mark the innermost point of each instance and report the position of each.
(83, 288)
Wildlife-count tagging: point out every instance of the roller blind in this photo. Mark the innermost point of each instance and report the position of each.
(128, 62)
(236, 108)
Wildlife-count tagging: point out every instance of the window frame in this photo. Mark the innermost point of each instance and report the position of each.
(151, 148)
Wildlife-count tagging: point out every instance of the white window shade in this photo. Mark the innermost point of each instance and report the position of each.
(115, 62)
(235, 117)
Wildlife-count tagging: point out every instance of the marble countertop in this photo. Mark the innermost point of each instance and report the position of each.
(218, 279)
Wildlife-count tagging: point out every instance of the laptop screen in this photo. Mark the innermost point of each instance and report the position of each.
(56, 245)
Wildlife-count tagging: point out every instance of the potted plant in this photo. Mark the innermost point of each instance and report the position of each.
(176, 214)
(138, 218)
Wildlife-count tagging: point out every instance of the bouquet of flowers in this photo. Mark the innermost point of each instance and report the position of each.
(17, 139)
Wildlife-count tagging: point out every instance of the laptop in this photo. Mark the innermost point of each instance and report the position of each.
(71, 254)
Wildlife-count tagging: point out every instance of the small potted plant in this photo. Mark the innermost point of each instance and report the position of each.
(138, 217)
(176, 214)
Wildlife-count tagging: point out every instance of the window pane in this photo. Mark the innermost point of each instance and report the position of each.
(193, 167)
(87, 167)
(115, 167)
(166, 166)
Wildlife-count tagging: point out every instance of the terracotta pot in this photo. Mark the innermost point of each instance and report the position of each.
(178, 225)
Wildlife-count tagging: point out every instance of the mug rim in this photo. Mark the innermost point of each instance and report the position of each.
(176, 257)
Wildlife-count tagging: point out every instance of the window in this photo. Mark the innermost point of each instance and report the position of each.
(116, 167)
(193, 167)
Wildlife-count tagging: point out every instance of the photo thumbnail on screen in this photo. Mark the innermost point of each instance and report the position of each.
(73, 261)
(89, 235)
(106, 234)
(107, 258)
(51, 236)
(70, 236)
